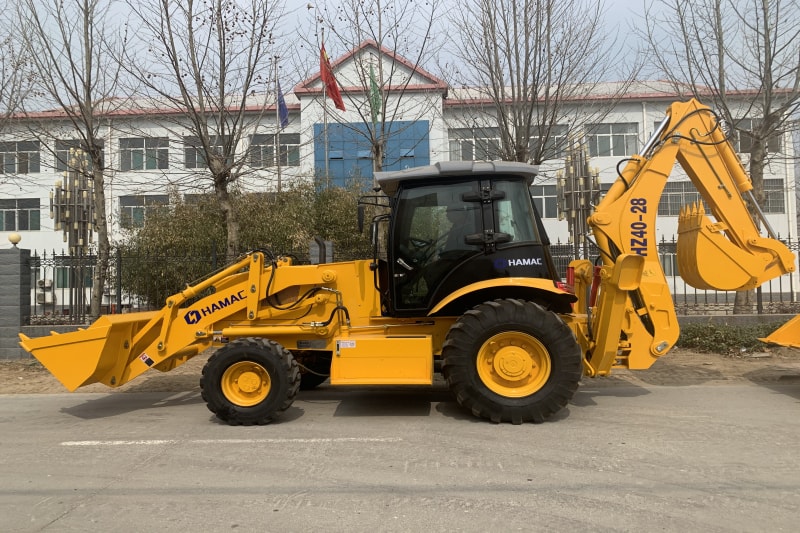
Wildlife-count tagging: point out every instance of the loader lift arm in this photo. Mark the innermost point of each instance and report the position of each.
(243, 302)
(633, 320)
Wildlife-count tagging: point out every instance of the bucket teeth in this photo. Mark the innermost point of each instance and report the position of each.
(691, 216)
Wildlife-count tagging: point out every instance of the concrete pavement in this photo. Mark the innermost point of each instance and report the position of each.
(623, 457)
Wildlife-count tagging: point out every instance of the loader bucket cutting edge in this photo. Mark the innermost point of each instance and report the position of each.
(83, 357)
(786, 335)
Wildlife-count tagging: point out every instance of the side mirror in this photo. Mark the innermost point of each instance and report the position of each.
(360, 218)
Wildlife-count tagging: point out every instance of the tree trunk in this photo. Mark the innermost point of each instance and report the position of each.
(744, 301)
(377, 158)
(100, 274)
(229, 215)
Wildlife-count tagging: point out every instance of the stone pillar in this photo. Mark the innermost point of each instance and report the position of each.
(15, 300)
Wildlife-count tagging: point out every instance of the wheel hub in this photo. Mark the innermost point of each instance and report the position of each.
(246, 383)
(249, 382)
(513, 364)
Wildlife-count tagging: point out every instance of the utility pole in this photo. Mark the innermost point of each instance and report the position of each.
(277, 126)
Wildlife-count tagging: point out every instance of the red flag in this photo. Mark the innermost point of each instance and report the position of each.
(326, 73)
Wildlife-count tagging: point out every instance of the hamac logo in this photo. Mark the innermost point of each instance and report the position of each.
(192, 317)
(500, 264)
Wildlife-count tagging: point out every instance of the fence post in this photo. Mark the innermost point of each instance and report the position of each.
(119, 280)
(15, 299)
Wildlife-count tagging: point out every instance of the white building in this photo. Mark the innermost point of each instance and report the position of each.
(148, 156)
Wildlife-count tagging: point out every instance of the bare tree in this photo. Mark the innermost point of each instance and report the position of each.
(69, 43)
(399, 39)
(740, 57)
(528, 61)
(14, 75)
(206, 64)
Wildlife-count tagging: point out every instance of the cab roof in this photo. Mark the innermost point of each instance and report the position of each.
(445, 171)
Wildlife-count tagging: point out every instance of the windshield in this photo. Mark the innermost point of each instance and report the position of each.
(514, 213)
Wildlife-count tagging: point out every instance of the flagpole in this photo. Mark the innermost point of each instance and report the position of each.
(325, 123)
(277, 127)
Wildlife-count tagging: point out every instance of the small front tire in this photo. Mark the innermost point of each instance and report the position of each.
(250, 382)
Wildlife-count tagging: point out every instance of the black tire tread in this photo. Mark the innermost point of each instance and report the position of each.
(478, 324)
(286, 381)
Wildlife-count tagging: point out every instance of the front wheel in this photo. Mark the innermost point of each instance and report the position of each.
(250, 381)
(511, 361)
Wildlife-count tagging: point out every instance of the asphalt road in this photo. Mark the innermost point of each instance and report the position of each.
(621, 458)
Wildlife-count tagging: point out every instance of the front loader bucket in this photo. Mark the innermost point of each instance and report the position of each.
(89, 355)
(786, 335)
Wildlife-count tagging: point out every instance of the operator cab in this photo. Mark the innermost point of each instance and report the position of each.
(454, 224)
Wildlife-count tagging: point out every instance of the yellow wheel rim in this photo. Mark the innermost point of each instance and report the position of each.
(246, 383)
(514, 364)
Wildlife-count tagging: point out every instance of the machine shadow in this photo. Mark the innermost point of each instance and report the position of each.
(109, 405)
(381, 401)
(787, 384)
(609, 386)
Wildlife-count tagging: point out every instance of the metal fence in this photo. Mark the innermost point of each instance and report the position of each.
(777, 296)
(61, 286)
(62, 283)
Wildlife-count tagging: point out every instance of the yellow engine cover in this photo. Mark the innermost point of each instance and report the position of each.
(383, 360)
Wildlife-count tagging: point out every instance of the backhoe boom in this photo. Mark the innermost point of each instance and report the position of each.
(726, 253)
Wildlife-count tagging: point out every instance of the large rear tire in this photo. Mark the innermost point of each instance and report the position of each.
(250, 381)
(511, 361)
(315, 367)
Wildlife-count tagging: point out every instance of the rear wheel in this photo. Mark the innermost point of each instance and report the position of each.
(511, 361)
(250, 381)
(315, 367)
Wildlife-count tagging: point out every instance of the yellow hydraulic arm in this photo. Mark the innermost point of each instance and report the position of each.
(633, 321)
(252, 297)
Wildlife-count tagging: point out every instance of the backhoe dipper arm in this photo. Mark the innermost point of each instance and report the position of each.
(633, 323)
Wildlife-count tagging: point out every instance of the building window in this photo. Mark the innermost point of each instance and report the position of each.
(19, 157)
(19, 215)
(614, 140)
(68, 277)
(474, 144)
(743, 143)
(545, 199)
(144, 153)
(195, 157)
(555, 143)
(262, 150)
(774, 197)
(676, 195)
(667, 253)
(134, 210)
(65, 147)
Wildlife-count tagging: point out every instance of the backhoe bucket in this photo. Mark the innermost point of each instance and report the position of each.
(88, 355)
(709, 260)
(786, 335)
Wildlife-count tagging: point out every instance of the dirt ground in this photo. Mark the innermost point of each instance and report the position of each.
(679, 367)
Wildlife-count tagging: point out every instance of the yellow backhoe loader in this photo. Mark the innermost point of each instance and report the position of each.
(463, 282)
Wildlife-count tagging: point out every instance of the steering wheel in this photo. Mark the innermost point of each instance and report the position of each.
(421, 250)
